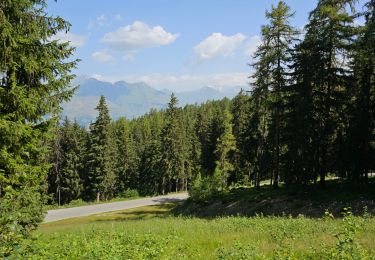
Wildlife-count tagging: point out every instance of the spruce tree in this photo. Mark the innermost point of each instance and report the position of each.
(101, 155)
(171, 146)
(125, 156)
(55, 158)
(35, 75)
(72, 164)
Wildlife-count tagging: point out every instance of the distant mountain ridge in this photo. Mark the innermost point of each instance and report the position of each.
(131, 99)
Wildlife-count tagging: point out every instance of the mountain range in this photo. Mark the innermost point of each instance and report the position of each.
(132, 99)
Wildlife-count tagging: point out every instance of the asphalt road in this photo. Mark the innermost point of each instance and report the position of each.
(59, 214)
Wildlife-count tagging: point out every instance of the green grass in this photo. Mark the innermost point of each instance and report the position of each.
(243, 223)
(153, 232)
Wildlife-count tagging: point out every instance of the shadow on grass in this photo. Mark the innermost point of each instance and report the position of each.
(311, 201)
(167, 200)
(148, 212)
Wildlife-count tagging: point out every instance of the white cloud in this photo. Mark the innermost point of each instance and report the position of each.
(185, 81)
(217, 45)
(103, 56)
(138, 36)
(251, 45)
(74, 39)
(99, 21)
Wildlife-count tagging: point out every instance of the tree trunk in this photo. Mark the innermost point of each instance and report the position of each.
(163, 186)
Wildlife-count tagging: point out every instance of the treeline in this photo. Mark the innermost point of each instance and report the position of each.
(310, 113)
(157, 153)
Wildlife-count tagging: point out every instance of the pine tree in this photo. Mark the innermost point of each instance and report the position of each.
(171, 146)
(55, 158)
(271, 77)
(72, 165)
(101, 154)
(125, 156)
(35, 77)
(226, 145)
(328, 41)
(361, 131)
(300, 124)
(150, 170)
(245, 144)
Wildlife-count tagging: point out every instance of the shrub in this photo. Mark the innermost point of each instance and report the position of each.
(129, 193)
(204, 188)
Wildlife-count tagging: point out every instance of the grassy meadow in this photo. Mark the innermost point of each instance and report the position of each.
(155, 232)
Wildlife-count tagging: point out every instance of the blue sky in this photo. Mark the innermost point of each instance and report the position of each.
(175, 44)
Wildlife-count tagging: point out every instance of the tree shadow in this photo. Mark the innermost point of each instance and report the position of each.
(167, 200)
(310, 201)
(142, 213)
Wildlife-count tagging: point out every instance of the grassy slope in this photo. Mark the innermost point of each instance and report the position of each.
(154, 232)
(311, 201)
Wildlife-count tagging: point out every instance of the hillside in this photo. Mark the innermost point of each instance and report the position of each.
(310, 201)
(132, 99)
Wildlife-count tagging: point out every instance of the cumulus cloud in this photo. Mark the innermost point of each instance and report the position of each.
(217, 45)
(75, 40)
(251, 45)
(138, 36)
(102, 56)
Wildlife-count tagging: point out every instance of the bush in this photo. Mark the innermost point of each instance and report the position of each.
(129, 193)
(77, 202)
(204, 188)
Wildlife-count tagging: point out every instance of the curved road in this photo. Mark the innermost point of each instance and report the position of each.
(59, 214)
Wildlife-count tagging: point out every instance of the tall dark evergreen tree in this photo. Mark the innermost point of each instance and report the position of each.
(226, 146)
(125, 161)
(328, 41)
(361, 133)
(271, 77)
(35, 77)
(171, 146)
(101, 155)
(73, 148)
(56, 158)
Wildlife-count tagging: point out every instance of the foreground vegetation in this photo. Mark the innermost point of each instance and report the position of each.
(154, 233)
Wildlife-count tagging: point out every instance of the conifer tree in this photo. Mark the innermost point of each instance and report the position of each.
(35, 77)
(226, 145)
(271, 75)
(328, 41)
(101, 154)
(361, 132)
(72, 165)
(171, 146)
(125, 155)
(55, 158)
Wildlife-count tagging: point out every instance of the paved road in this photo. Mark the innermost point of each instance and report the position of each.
(59, 214)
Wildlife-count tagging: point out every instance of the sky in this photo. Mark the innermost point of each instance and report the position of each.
(175, 44)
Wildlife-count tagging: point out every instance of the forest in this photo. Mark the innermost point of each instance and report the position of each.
(308, 115)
